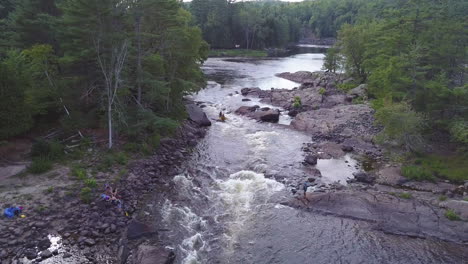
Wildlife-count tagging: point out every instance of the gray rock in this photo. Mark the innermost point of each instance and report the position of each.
(66, 255)
(46, 254)
(360, 91)
(197, 115)
(44, 244)
(311, 159)
(364, 177)
(251, 91)
(30, 254)
(327, 121)
(347, 148)
(245, 110)
(293, 112)
(138, 229)
(269, 115)
(388, 213)
(89, 242)
(153, 255)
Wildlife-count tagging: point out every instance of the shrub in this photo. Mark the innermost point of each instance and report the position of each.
(358, 100)
(86, 194)
(121, 158)
(40, 165)
(52, 150)
(401, 125)
(91, 183)
(417, 173)
(78, 172)
(442, 198)
(50, 189)
(459, 131)
(451, 215)
(154, 140)
(405, 195)
(345, 87)
(322, 91)
(297, 102)
(132, 147)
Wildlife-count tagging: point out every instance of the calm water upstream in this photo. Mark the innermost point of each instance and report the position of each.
(227, 209)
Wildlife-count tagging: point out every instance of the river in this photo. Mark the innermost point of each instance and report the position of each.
(228, 207)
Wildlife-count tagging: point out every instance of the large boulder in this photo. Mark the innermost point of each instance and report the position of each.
(360, 91)
(251, 91)
(147, 254)
(197, 115)
(264, 114)
(311, 159)
(364, 177)
(245, 110)
(270, 115)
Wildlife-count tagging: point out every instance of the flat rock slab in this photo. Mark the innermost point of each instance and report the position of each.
(326, 121)
(434, 187)
(460, 207)
(390, 214)
(389, 176)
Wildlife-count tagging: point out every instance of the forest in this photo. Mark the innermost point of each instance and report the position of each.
(413, 54)
(120, 66)
(124, 66)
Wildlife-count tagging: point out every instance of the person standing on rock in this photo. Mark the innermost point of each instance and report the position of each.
(306, 185)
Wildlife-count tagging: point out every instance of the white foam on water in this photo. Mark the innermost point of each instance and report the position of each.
(194, 226)
(191, 246)
(241, 194)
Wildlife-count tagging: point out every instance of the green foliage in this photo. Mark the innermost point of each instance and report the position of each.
(91, 183)
(322, 91)
(237, 53)
(459, 131)
(442, 198)
(297, 103)
(78, 172)
(345, 87)
(113, 158)
(86, 194)
(332, 60)
(417, 173)
(359, 100)
(452, 215)
(121, 158)
(452, 167)
(49, 189)
(40, 165)
(405, 195)
(401, 125)
(52, 150)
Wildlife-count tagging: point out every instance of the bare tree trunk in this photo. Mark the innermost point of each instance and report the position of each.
(112, 70)
(139, 55)
(109, 123)
(247, 38)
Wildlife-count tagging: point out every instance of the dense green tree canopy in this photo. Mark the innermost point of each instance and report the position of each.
(106, 62)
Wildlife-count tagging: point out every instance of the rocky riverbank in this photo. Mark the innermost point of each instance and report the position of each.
(59, 228)
(342, 123)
